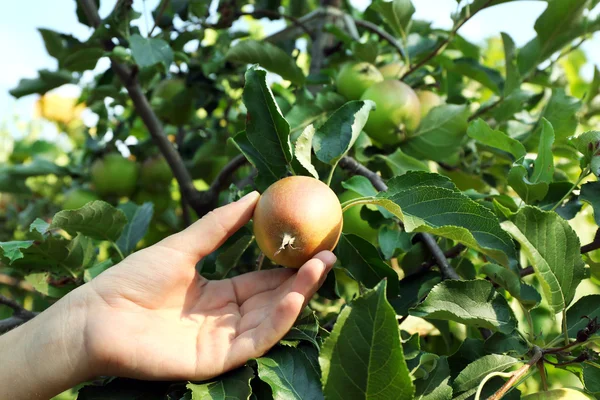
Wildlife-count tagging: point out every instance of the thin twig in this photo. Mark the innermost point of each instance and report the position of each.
(450, 253)
(185, 210)
(224, 177)
(159, 14)
(382, 34)
(526, 271)
(593, 245)
(444, 42)
(356, 168)
(485, 109)
(537, 355)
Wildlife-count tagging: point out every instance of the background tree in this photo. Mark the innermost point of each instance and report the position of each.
(468, 175)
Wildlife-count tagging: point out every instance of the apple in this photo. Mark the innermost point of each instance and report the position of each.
(356, 77)
(398, 111)
(393, 70)
(428, 101)
(173, 102)
(296, 218)
(156, 174)
(78, 198)
(114, 175)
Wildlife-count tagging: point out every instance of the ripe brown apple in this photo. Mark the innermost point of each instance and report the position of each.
(296, 218)
(356, 77)
(398, 111)
(428, 101)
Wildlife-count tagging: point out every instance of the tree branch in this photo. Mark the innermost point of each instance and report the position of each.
(382, 34)
(537, 356)
(444, 42)
(200, 202)
(593, 245)
(485, 109)
(11, 281)
(20, 315)
(440, 259)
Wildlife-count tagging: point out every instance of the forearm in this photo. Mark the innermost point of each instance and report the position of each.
(47, 355)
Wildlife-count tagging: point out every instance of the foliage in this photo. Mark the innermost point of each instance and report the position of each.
(470, 274)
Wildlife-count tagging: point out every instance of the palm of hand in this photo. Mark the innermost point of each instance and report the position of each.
(154, 317)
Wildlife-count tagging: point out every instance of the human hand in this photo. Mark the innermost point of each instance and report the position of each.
(154, 317)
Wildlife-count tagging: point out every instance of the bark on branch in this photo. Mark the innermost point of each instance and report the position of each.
(20, 315)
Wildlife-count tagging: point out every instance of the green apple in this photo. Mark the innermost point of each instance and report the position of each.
(173, 102)
(78, 198)
(428, 101)
(114, 175)
(356, 77)
(161, 200)
(156, 174)
(393, 70)
(398, 111)
(353, 223)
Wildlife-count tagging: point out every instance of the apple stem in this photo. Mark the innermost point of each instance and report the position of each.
(287, 241)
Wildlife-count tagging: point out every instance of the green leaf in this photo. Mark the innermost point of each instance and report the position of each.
(96, 270)
(503, 277)
(303, 114)
(149, 52)
(588, 144)
(266, 128)
(413, 289)
(305, 328)
(361, 185)
(594, 88)
(440, 134)
(303, 150)
(53, 42)
(590, 193)
(513, 78)
(12, 250)
(336, 136)
(552, 247)
(518, 179)
(392, 239)
(97, 219)
(363, 262)
(488, 77)
(502, 343)
(40, 227)
(82, 59)
(400, 163)
(474, 373)
(290, 374)
(232, 385)
(437, 385)
(591, 377)
(561, 112)
(363, 357)
(395, 13)
(40, 280)
(47, 81)
(473, 303)
(431, 203)
(481, 132)
(138, 218)
(267, 172)
(367, 52)
(587, 306)
(512, 104)
(543, 167)
(562, 393)
(268, 56)
(228, 259)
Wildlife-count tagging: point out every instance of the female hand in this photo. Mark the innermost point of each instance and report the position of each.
(153, 316)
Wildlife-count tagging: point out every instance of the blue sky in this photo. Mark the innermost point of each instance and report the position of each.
(24, 53)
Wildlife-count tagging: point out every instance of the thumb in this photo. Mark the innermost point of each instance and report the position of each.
(207, 234)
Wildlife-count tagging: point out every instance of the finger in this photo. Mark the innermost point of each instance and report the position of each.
(206, 235)
(254, 283)
(256, 342)
(277, 323)
(312, 274)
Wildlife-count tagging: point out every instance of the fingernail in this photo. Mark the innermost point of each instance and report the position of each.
(250, 196)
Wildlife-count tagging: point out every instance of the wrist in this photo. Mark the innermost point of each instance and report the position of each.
(52, 348)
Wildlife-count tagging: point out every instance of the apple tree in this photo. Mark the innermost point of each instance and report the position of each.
(468, 264)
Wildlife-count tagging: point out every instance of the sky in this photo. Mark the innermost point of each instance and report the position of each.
(24, 53)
